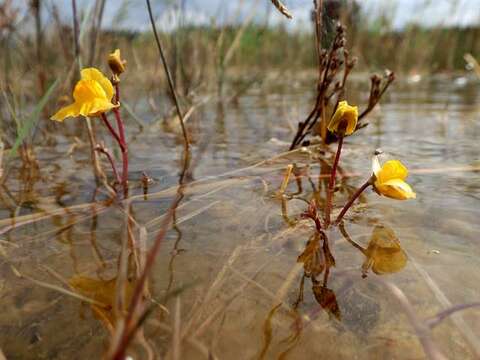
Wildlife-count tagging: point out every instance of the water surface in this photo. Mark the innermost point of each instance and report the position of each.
(230, 263)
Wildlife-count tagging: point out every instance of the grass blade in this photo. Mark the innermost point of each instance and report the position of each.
(32, 119)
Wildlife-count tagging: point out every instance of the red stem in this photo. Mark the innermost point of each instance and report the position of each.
(331, 185)
(112, 130)
(352, 200)
(123, 146)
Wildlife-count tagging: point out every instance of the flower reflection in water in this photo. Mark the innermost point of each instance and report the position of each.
(384, 255)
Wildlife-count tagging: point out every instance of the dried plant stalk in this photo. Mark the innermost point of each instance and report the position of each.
(282, 8)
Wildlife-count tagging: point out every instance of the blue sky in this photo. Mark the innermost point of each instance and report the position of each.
(402, 12)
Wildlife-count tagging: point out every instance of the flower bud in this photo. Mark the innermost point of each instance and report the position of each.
(115, 62)
(344, 121)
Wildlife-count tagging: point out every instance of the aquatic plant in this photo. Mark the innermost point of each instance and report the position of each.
(331, 88)
(387, 180)
(94, 96)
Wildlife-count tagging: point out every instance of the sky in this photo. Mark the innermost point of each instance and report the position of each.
(401, 12)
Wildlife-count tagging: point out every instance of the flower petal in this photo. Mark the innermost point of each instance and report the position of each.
(337, 117)
(392, 169)
(87, 91)
(71, 110)
(395, 189)
(96, 75)
(343, 113)
(95, 107)
(376, 166)
(351, 116)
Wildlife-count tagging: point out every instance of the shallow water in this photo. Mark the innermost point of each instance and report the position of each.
(230, 264)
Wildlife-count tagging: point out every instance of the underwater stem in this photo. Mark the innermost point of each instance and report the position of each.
(331, 185)
(352, 200)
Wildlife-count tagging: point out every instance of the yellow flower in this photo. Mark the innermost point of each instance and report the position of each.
(92, 96)
(344, 121)
(117, 65)
(390, 180)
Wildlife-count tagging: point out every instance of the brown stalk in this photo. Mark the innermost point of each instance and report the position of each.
(331, 184)
(135, 308)
(169, 77)
(95, 31)
(99, 173)
(328, 66)
(330, 63)
(36, 7)
(282, 8)
(102, 149)
(376, 93)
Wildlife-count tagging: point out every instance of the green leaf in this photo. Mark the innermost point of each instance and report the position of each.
(32, 119)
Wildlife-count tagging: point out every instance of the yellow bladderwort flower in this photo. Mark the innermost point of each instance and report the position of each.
(344, 121)
(92, 96)
(389, 180)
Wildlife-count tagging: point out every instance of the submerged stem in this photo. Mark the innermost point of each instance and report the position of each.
(331, 184)
(352, 199)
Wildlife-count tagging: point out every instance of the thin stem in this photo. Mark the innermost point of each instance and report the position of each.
(169, 77)
(124, 148)
(117, 93)
(99, 173)
(94, 34)
(110, 160)
(124, 145)
(331, 184)
(131, 318)
(112, 131)
(76, 31)
(349, 239)
(352, 199)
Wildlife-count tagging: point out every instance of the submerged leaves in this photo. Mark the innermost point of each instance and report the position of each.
(327, 300)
